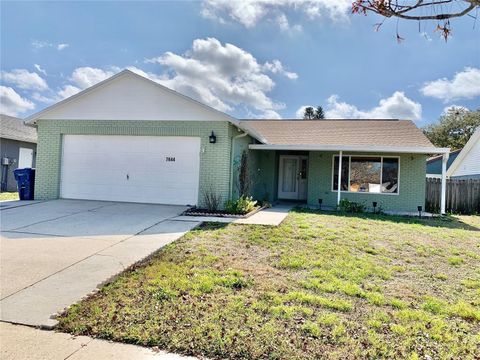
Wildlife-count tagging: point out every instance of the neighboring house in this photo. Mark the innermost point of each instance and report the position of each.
(131, 139)
(467, 164)
(434, 164)
(18, 144)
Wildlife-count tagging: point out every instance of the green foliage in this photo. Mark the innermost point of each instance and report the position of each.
(211, 199)
(454, 128)
(351, 206)
(243, 205)
(310, 113)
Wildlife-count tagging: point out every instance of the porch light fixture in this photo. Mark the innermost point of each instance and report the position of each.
(419, 208)
(212, 138)
(374, 206)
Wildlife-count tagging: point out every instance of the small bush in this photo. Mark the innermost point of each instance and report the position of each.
(243, 205)
(211, 200)
(351, 206)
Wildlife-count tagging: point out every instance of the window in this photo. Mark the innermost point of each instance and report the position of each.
(367, 174)
(344, 186)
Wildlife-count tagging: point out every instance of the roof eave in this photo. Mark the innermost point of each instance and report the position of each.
(356, 148)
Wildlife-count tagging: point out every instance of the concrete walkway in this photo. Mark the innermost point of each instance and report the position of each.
(57, 252)
(271, 217)
(19, 342)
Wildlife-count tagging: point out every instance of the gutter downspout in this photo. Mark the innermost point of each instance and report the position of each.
(231, 161)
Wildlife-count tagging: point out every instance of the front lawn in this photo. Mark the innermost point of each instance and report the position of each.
(319, 286)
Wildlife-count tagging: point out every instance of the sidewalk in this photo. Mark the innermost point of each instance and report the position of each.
(18, 342)
(271, 217)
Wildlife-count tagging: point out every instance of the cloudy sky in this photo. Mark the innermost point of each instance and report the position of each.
(251, 59)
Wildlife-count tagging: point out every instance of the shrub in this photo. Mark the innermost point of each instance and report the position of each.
(351, 206)
(243, 205)
(211, 200)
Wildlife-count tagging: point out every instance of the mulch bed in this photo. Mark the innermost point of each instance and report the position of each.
(220, 213)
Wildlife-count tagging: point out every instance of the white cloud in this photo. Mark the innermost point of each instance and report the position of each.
(397, 106)
(40, 69)
(12, 103)
(276, 67)
(38, 44)
(24, 79)
(250, 12)
(464, 85)
(84, 77)
(67, 91)
(222, 76)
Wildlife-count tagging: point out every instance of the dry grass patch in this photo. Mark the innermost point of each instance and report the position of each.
(318, 286)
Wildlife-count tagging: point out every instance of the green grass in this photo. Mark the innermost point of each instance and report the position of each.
(318, 286)
(8, 196)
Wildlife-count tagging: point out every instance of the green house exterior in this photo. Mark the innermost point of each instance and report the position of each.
(219, 160)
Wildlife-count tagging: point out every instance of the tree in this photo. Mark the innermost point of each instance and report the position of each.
(453, 128)
(431, 10)
(319, 114)
(311, 113)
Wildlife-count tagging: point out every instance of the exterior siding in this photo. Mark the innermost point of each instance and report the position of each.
(411, 190)
(214, 158)
(469, 168)
(11, 149)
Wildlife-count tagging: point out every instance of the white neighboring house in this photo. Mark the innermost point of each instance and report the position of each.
(467, 163)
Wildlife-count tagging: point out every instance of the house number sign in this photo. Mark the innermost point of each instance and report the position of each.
(170, 159)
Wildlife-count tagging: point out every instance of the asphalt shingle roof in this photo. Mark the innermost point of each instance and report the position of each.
(340, 132)
(13, 128)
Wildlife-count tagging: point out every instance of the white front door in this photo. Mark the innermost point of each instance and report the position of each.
(292, 180)
(25, 158)
(144, 169)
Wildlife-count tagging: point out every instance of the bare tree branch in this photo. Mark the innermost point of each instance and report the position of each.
(418, 10)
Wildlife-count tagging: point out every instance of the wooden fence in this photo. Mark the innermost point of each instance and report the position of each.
(463, 196)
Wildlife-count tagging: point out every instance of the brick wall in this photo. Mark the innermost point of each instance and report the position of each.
(411, 189)
(214, 158)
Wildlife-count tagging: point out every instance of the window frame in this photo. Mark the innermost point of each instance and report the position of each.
(349, 156)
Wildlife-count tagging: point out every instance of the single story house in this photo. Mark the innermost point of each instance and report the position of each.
(128, 138)
(434, 164)
(467, 164)
(18, 145)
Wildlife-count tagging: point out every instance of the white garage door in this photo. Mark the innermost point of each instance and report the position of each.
(148, 169)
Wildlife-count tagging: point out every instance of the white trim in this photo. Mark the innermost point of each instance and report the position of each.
(443, 188)
(332, 189)
(466, 149)
(362, 148)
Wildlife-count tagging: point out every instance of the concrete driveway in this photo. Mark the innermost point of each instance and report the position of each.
(56, 252)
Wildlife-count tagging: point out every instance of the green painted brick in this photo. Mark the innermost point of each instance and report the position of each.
(411, 191)
(214, 158)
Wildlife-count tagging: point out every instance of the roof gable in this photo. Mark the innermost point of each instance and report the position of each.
(470, 153)
(129, 96)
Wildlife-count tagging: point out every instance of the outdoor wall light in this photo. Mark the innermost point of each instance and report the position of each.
(212, 138)
(419, 208)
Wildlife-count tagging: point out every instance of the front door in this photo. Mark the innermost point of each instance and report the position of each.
(292, 181)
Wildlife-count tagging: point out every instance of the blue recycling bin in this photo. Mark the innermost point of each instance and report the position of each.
(25, 183)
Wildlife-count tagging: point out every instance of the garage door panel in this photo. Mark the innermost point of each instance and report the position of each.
(131, 168)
